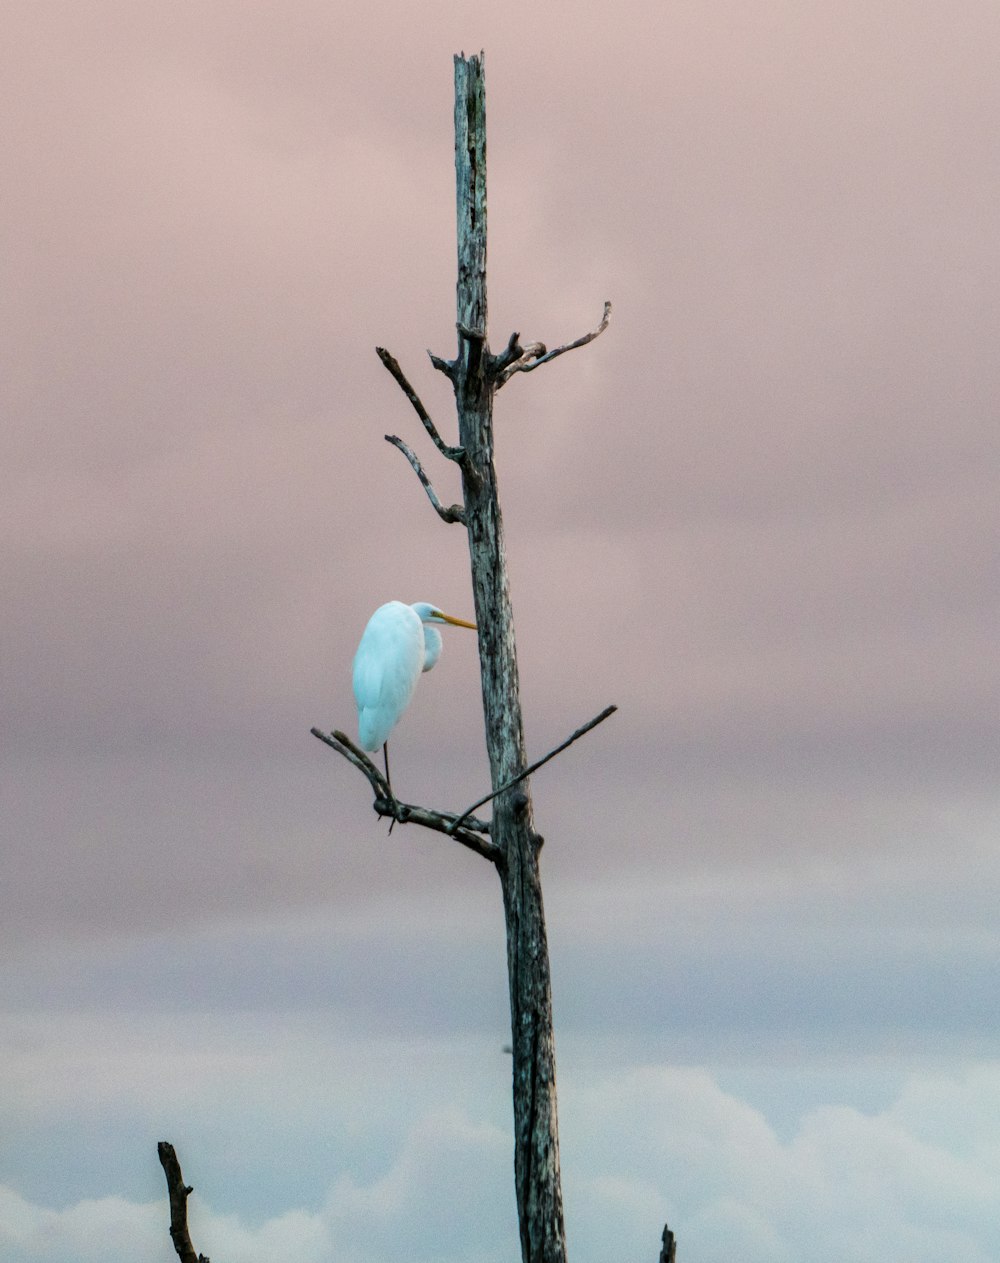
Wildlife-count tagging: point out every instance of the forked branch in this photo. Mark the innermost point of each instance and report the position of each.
(535, 355)
(454, 512)
(178, 1192)
(466, 828)
(469, 832)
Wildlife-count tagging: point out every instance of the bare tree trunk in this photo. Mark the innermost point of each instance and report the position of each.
(536, 1135)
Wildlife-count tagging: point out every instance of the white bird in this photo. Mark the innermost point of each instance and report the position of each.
(398, 644)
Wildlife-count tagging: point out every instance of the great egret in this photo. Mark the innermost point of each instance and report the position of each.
(399, 643)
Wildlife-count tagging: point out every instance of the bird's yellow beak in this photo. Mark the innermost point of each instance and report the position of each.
(455, 622)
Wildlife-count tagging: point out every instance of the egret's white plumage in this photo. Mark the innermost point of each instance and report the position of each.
(399, 643)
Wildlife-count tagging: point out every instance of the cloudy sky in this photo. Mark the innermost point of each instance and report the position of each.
(760, 514)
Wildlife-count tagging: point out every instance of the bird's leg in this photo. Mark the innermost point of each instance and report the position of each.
(388, 779)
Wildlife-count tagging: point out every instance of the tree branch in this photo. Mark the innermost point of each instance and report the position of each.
(468, 831)
(178, 1192)
(598, 719)
(512, 352)
(455, 512)
(457, 454)
(535, 355)
(443, 366)
(340, 742)
(392, 364)
(441, 822)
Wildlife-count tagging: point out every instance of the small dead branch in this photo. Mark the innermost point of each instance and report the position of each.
(513, 352)
(592, 723)
(535, 355)
(179, 1192)
(454, 512)
(669, 1252)
(457, 454)
(443, 366)
(392, 365)
(469, 831)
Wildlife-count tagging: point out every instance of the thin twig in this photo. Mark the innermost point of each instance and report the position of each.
(178, 1192)
(455, 512)
(535, 356)
(468, 831)
(392, 364)
(598, 719)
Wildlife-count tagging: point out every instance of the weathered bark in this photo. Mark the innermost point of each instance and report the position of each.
(536, 1137)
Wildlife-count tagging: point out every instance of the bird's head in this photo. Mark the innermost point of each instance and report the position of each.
(428, 613)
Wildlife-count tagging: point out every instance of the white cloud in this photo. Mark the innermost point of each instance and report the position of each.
(847, 1187)
(447, 1195)
(657, 1144)
(297, 1236)
(108, 1227)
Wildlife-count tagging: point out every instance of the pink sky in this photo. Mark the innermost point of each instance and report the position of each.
(760, 514)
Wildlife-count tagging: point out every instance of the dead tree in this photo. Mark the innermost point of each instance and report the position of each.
(509, 839)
